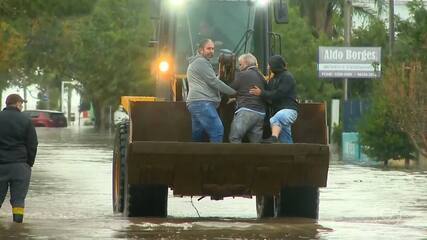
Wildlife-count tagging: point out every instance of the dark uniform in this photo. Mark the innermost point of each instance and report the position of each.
(18, 147)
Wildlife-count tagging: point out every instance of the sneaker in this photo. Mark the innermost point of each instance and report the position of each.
(18, 218)
(270, 140)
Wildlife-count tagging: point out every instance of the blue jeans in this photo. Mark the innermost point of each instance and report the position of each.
(205, 119)
(284, 119)
(246, 123)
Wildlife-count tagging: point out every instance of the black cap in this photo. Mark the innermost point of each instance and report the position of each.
(277, 64)
(13, 99)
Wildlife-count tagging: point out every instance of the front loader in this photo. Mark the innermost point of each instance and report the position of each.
(153, 151)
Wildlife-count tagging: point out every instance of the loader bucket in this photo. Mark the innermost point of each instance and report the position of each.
(161, 152)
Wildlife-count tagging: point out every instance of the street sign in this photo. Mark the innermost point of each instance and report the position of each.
(349, 62)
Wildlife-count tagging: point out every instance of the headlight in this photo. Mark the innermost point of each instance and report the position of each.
(176, 3)
(164, 66)
(261, 3)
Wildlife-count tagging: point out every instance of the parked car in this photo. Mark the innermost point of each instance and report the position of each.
(47, 118)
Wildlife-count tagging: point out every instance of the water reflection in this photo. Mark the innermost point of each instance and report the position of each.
(70, 198)
(220, 228)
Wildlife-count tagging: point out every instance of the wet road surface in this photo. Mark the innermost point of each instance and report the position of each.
(70, 198)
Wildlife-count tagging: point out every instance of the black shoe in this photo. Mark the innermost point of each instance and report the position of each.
(270, 140)
(274, 139)
(18, 218)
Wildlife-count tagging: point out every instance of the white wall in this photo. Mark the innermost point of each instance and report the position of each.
(32, 93)
(75, 102)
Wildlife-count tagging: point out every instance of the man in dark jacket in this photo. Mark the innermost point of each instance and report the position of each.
(250, 109)
(281, 94)
(18, 147)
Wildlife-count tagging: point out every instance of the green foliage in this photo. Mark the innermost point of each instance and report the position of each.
(372, 34)
(411, 41)
(11, 42)
(12, 9)
(30, 32)
(300, 51)
(102, 44)
(381, 134)
(110, 56)
(396, 114)
(323, 20)
(327, 16)
(108, 52)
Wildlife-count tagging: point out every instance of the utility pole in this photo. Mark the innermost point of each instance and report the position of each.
(69, 92)
(25, 95)
(391, 27)
(347, 35)
(68, 86)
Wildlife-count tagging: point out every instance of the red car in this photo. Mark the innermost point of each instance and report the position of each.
(47, 118)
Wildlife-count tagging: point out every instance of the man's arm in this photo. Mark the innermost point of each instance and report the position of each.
(31, 144)
(206, 71)
(285, 85)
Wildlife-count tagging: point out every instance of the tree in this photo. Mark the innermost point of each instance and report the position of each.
(400, 99)
(372, 34)
(411, 42)
(300, 51)
(319, 23)
(29, 31)
(25, 23)
(405, 88)
(108, 53)
(319, 15)
(325, 16)
(406, 79)
(101, 43)
(11, 41)
(380, 132)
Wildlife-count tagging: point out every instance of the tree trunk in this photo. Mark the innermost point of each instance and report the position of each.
(422, 161)
(391, 27)
(328, 20)
(318, 14)
(407, 162)
(100, 114)
(104, 118)
(420, 148)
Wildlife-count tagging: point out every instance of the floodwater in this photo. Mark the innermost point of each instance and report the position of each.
(70, 198)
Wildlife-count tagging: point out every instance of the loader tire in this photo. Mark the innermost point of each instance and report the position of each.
(146, 200)
(264, 206)
(297, 202)
(119, 167)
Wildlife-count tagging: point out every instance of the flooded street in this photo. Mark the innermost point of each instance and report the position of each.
(70, 198)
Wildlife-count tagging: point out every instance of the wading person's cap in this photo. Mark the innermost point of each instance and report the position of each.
(13, 99)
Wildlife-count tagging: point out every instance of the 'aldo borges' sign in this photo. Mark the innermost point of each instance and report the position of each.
(349, 62)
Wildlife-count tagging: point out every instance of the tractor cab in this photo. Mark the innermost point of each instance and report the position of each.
(236, 27)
